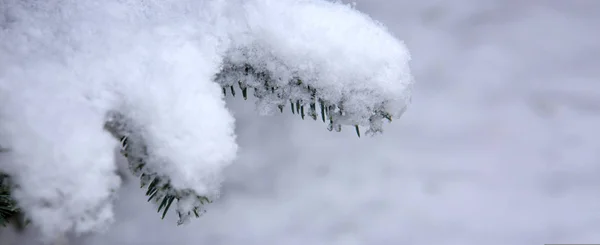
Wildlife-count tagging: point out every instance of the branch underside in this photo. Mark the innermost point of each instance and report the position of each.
(159, 188)
(304, 99)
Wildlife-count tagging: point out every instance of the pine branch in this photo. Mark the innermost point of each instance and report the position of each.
(304, 100)
(159, 188)
(8, 206)
(302, 97)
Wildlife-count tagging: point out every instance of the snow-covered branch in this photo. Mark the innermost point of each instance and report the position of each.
(324, 58)
(151, 73)
(303, 100)
(159, 188)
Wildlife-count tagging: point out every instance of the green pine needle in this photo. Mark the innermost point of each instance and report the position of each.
(152, 196)
(322, 111)
(163, 203)
(313, 111)
(169, 202)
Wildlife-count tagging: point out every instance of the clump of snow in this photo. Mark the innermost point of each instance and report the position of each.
(65, 64)
(312, 50)
(67, 67)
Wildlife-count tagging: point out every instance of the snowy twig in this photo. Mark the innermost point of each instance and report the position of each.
(8, 206)
(159, 188)
(304, 100)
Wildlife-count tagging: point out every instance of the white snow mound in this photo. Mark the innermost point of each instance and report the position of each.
(65, 64)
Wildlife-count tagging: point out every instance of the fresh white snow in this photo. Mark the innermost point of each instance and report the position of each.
(499, 146)
(66, 66)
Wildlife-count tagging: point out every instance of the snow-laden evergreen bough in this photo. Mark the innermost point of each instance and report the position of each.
(79, 77)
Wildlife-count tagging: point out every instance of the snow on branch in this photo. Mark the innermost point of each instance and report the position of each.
(304, 100)
(322, 58)
(159, 187)
(73, 72)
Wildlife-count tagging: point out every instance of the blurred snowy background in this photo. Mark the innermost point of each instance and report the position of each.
(500, 146)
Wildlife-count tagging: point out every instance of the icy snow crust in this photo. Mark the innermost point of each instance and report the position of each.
(66, 65)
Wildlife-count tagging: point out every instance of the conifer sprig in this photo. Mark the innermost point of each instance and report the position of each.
(302, 97)
(304, 101)
(159, 188)
(8, 206)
